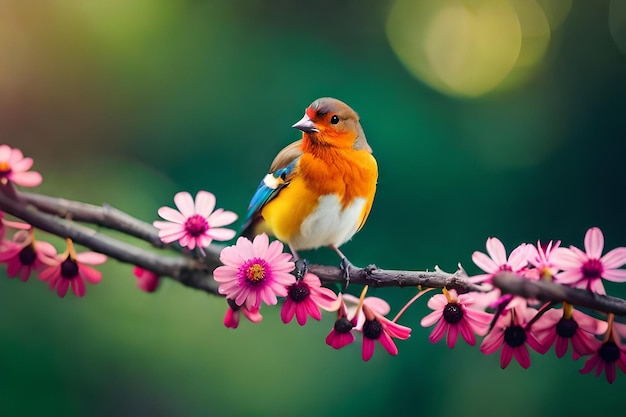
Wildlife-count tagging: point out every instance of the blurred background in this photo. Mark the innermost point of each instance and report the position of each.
(498, 118)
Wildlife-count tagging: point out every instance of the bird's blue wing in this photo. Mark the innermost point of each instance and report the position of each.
(269, 188)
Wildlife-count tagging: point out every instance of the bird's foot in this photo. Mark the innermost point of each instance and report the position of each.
(301, 268)
(345, 266)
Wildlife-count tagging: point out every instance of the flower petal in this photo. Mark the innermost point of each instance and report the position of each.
(205, 203)
(184, 203)
(594, 242)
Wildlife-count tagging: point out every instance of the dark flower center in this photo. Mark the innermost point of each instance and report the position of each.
(505, 267)
(372, 329)
(566, 328)
(69, 268)
(27, 255)
(196, 225)
(592, 269)
(609, 352)
(299, 292)
(514, 336)
(232, 304)
(343, 325)
(453, 313)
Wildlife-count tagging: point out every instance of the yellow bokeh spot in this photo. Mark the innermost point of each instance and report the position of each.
(469, 48)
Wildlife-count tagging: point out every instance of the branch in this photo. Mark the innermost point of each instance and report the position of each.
(48, 213)
(510, 283)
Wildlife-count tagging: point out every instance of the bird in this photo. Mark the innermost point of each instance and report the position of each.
(319, 190)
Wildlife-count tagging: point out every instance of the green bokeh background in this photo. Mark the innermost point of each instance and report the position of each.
(128, 102)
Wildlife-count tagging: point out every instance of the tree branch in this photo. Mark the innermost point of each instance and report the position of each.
(510, 283)
(49, 214)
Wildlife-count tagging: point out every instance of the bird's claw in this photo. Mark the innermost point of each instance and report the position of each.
(301, 268)
(345, 266)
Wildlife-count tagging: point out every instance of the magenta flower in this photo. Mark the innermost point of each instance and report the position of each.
(453, 316)
(540, 257)
(147, 281)
(195, 223)
(378, 328)
(497, 260)
(24, 254)
(304, 299)
(376, 304)
(15, 168)
(511, 333)
(231, 319)
(70, 268)
(586, 269)
(608, 355)
(341, 334)
(346, 306)
(254, 271)
(559, 327)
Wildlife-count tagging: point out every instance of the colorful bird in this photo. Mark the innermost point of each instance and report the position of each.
(319, 189)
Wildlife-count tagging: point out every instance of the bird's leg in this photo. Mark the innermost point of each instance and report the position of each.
(301, 264)
(345, 265)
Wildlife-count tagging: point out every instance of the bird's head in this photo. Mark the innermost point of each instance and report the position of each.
(331, 122)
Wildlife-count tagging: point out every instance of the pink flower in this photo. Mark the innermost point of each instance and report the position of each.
(341, 334)
(194, 224)
(14, 168)
(586, 269)
(231, 319)
(147, 281)
(511, 333)
(497, 260)
(304, 299)
(254, 271)
(540, 258)
(608, 354)
(559, 327)
(376, 304)
(70, 268)
(24, 255)
(453, 316)
(378, 328)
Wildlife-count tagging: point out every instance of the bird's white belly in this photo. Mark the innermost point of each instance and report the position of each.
(329, 224)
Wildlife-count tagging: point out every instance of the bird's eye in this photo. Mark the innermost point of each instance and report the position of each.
(334, 120)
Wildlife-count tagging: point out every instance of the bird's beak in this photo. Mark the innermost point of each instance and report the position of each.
(306, 125)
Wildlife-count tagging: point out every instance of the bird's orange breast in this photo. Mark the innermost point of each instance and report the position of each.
(347, 174)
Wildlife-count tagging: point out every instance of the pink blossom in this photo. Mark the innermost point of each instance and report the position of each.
(231, 319)
(304, 299)
(254, 271)
(376, 304)
(497, 260)
(195, 223)
(378, 328)
(15, 168)
(341, 334)
(147, 281)
(453, 316)
(608, 354)
(24, 254)
(512, 334)
(559, 327)
(347, 306)
(540, 257)
(586, 269)
(7, 223)
(70, 268)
